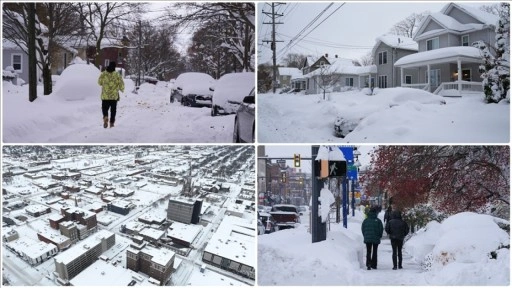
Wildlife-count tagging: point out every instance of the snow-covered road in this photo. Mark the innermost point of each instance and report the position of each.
(145, 117)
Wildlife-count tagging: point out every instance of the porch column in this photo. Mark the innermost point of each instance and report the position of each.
(428, 77)
(459, 75)
(401, 77)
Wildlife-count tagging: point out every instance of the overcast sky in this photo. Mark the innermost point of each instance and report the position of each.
(350, 32)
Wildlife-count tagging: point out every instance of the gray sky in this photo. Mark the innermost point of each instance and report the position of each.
(350, 32)
(288, 151)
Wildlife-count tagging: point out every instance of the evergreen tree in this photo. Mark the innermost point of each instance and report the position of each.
(495, 70)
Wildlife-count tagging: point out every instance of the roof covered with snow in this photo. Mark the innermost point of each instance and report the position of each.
(396, 41)
(234, 240)
(289, 71)
(80, 248)
(439, 56)
(183, 232)
(484, 17)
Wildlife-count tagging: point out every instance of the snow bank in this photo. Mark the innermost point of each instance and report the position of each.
(78, 82)
(458, 251)
(326, 199)
(288, 257)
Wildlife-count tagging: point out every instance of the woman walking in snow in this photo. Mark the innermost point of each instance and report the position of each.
(397, 229)
(372, 229)
(111, 83)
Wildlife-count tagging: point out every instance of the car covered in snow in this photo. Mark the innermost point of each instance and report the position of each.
(193, 89)
(382, 99)
(244, 127)
(229, 92)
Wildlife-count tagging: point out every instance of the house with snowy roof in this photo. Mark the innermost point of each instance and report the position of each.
(447, 63)
(15, 60)
(341, 72)
(285, 74)
(386, 51)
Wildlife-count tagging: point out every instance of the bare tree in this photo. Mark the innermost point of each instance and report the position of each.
(294, 60)
(366, 60)
(54, 22)
(239, 18)
(491, 8)
(100, 17)
(326, 78)
(409, 25)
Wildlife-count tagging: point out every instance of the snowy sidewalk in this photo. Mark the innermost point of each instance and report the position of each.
(411, 274)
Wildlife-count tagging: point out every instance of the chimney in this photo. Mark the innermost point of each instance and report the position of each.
(326, 55)
(336, 56)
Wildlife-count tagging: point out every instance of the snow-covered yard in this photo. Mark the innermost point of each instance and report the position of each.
(72, 114)
(457, 252)
(393, 115)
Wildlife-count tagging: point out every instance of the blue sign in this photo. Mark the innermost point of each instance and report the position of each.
(348, 152)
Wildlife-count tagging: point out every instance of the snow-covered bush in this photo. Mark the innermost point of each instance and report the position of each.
(421, 215)
(9, 74)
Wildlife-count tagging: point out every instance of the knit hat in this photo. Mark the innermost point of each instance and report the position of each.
(111, 66)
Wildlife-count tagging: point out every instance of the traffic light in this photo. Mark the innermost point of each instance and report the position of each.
(296, 160)
(283, 177)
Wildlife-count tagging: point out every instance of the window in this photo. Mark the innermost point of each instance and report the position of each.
(383, 58)
(465, 40)
(383, 81)
(432, 44)
(466, 74)
(16, 62)
(349, 82)
(408, 79)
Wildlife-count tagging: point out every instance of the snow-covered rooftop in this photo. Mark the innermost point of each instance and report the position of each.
(160, 256)
(152, 233)
(106, 274)
(183, 231)
(289, 71)
(81, 248)
(484, 17)
(439, 55)
(235, 240)
(31, 247)
(395, 41)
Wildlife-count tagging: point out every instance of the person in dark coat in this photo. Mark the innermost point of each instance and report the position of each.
(372, 229)
(387, 214)
(397, 229)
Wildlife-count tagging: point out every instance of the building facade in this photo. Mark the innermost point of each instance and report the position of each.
(156, 263)
(184, 210)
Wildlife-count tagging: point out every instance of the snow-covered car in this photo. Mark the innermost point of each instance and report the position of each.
(229, 92)
(384, 99)
(193, 89)
(244, 120)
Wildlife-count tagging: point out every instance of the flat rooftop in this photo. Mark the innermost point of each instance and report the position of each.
(80, 248)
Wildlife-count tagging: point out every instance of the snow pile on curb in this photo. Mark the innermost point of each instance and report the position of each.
(78, 82)
(455, 250)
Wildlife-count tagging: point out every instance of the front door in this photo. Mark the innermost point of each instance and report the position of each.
(435, 79)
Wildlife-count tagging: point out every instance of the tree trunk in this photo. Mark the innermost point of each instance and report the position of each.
(32, 61)
(47, 80)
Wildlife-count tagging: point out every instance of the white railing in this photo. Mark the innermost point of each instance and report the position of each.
(452, 88)
(421, 86)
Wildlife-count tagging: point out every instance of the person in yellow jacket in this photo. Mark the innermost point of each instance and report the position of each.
(111, 83)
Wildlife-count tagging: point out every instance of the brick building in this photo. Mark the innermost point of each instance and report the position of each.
(156, 263)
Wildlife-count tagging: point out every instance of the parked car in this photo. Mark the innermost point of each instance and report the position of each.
(193, 89)
(229, 92)
(244, 127)
(285, 215)
(261, 228)
(268, 222)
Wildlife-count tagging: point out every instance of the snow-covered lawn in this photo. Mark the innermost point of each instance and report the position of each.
(393, 115)
(457, 252)
(146, 117)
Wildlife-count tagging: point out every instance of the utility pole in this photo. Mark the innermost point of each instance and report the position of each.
(273, 15)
